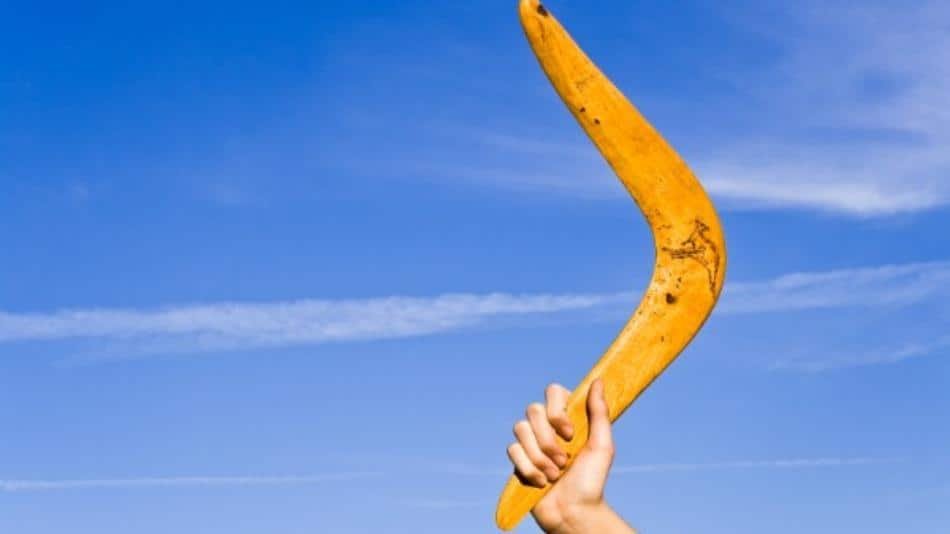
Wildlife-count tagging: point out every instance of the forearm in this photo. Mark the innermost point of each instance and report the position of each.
(599, 520)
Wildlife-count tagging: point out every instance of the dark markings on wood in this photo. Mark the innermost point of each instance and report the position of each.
(701, 249)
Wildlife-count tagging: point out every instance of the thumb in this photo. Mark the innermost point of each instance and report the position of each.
(592, 466)
(598, 415)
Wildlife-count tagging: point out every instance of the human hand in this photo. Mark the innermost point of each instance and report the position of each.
(576, 503)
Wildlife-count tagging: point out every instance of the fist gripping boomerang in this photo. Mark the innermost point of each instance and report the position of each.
(690, 259)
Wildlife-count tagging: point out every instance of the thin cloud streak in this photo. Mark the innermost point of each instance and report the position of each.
(742, 185)
(885, 285)
(798, 463)
(764, 178)
(752, 177)
(15, 486)
(214, 326)
(224, 326)
(790, 463)
(907, 352)
(862, 90)
(445, 504)
(789, 187)
(850, 118)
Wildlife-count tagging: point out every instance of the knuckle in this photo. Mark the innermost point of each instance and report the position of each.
(535, 409)
(542, 462)
(547, 443)
(601, 447)
(530, 475)
(521, 427)
(549, 447)
(556, 415)
(545, 438)
(607, 449)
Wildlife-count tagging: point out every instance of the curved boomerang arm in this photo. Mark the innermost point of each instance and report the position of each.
(690, 262)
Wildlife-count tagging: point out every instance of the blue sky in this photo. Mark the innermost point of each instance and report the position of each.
(298, 267)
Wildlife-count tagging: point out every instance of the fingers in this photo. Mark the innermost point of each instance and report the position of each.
(524, 468)
(545, 435)
(598, 414)
(529, 443)
(556, 397)
(537, 456)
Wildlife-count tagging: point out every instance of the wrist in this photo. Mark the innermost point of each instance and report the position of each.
(587, 518)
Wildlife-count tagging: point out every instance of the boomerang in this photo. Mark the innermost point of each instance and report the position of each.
(690, 261)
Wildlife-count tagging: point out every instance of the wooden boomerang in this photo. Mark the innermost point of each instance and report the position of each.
(690, 262)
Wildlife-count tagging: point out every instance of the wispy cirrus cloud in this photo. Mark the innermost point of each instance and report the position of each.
(446, 504)
(849, 115)
(461, 469)
(865, 358)
(304, 322)
(862, 181)
(47, 485)
(791, 463)
(853, 110)
(885, 285)
(747, 176)
(224, 326)
(15, 486)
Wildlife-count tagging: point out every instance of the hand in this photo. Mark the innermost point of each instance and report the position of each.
(576, 504)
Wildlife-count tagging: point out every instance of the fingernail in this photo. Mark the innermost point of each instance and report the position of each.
(560, 460)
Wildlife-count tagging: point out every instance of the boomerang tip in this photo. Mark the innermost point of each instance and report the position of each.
(532, 8)
(505, 521)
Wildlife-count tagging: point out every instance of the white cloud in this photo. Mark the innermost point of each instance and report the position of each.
(30, 486)
(223, 326)
(885, 285)
(797, 463)
(446, 504)
(873, 289)
(791, 463)
(865, 358)
(782, 185)
(11, 486)
(854, 113)
(864, 180)
(848, 116)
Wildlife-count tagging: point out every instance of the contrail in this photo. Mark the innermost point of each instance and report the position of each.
(229, 325)
(800, 463)
(12, 486)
